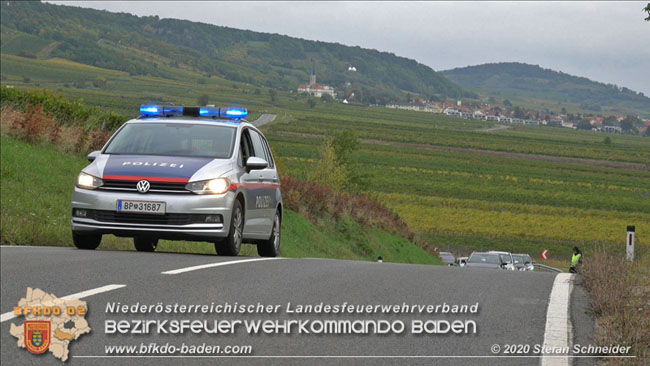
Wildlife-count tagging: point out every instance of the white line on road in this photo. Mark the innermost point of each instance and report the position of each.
(79, 295)
(558, 326)
(210, 265)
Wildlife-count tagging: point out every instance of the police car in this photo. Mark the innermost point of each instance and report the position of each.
(181, 173)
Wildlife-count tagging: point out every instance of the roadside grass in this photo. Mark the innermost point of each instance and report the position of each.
(36, 189)
(620, 301)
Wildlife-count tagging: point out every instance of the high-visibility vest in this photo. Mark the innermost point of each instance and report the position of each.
(575, 259)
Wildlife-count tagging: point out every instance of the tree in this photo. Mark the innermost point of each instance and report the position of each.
(563, 110)
(311, 102)
(326, 98)
(274, 95)
(610, 121)
(99, 82)
(507, 103)
(519, 113)
(328, 171)
(203, 99)
(584, 124)
(647, 10)
(344, 144)
(629, 123)
(607, 140)
(647, 132)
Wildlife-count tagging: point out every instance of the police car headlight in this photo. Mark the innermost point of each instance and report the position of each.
(212, 186)
(88, 181)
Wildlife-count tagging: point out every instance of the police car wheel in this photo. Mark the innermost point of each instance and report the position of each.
(145, 244)
(86, 241)
(271, 247)
(231, 245)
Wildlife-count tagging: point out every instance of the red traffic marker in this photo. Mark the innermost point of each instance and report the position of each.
(545, 254)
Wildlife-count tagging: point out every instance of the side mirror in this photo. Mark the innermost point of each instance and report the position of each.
(255, 163)
(93, 155)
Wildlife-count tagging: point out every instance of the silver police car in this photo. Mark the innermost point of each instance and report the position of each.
(181, 173)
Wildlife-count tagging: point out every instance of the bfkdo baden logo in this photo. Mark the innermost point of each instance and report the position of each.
(50, 323)
(37, 335)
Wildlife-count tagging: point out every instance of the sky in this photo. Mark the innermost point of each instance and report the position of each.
(605, 41)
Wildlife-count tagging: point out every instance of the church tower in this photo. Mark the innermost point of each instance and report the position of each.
(312, 76)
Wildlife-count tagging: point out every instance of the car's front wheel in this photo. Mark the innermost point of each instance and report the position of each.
(231, 245)
(86, 241)
(144, 244)
(271, 247)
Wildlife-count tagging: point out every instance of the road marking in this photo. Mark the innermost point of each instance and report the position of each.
(210, 265)
(79, 295)
(558, 325)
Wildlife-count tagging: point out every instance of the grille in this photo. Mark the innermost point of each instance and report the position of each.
(136, 218)
(157, 187)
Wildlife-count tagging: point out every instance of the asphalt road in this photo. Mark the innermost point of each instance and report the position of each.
(264, 119)
(512, 306)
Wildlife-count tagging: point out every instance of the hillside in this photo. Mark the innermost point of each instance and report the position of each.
(159, 47)
(531, 83)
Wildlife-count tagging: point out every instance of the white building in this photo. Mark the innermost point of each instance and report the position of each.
(313, 89)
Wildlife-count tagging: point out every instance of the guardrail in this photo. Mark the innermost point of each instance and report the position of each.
(547, 268)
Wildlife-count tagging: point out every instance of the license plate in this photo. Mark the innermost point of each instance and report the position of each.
(157, 208)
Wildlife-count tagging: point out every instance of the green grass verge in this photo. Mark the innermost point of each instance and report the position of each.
(36, 190)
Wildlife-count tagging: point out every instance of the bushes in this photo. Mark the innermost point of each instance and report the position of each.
(620, 299)
(318, 202)
(36, 126)
(61, 110)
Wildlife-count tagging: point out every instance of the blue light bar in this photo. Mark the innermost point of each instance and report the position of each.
(211, 112)
(236, 113)
(208, 112)
(172, 111)
(151, 110)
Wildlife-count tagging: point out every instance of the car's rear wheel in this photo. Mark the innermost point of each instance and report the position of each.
(86, 241)
(271, 247)
(231, 245)
(145, 244)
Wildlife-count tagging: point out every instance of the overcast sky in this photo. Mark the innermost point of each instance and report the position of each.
(604, 41)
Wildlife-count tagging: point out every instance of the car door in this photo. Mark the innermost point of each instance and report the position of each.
(265, 194)
(250, 181)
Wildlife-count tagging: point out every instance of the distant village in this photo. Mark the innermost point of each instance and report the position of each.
(505, 113)
(498, 113)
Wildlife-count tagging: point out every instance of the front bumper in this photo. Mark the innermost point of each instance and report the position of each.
(103, 200)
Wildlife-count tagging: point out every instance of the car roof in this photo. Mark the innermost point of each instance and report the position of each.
(195, 120)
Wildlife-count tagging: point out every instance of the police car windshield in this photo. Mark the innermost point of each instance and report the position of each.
(173, 139)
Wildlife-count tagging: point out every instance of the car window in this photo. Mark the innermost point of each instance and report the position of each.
(505, 258)
(258, 146)
(173, 139)
(484, 258)
(268, 152)
(244, 148)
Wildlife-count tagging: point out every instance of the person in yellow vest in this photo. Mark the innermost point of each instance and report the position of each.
(576, 260)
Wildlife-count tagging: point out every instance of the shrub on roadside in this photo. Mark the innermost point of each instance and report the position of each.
(36, 126)
(620, 300)
(319, 202)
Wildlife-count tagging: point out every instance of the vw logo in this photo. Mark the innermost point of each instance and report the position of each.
(143, 186)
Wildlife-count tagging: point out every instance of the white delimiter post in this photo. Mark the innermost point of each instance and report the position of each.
(629, 245)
